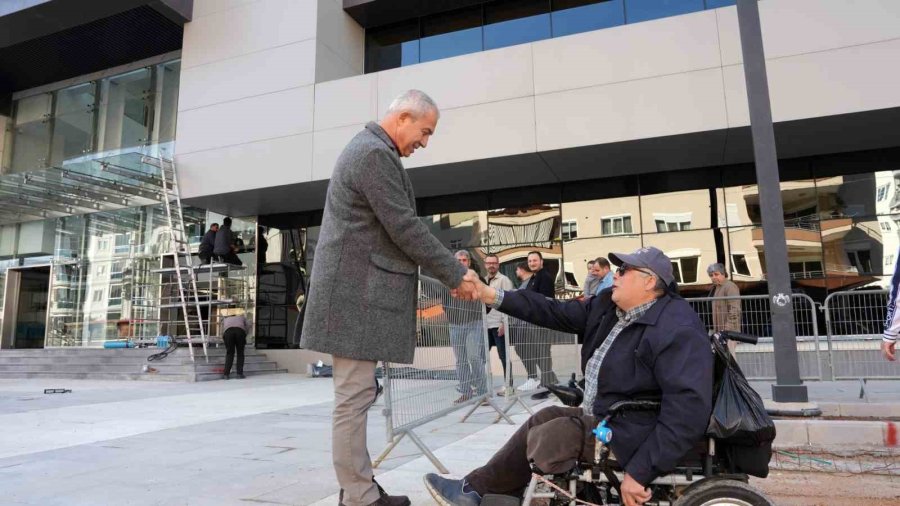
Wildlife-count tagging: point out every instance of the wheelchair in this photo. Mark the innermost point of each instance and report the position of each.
(702, 478)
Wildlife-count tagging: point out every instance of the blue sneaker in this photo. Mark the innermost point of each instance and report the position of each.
(451, 492)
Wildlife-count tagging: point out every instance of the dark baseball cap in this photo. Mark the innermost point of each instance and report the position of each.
(647, 258)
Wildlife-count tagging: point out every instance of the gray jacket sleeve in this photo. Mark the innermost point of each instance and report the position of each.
(380, 182)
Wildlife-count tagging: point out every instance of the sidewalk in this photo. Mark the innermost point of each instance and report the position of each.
(263, 440)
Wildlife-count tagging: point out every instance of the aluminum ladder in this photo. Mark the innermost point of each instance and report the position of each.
(184, 265)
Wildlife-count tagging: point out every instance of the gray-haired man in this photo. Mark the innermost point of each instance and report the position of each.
(362, 301)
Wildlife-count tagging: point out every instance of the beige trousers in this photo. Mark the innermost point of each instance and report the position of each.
(354, 393)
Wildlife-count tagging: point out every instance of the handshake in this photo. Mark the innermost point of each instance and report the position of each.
(472, 288)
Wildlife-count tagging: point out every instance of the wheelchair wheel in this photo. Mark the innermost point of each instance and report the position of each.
(723, 493)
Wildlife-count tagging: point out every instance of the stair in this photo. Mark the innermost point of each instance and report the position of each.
(126, 364)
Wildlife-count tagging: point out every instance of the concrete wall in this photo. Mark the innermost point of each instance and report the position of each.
(267, 123)
(245, 111)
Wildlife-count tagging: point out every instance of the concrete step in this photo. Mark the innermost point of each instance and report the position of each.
(218, 376)
(133, 367)
(139, 376)
(79, 360)
(126, 364)
(98, 376)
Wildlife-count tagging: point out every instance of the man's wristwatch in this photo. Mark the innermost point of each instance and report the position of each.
(498, 298)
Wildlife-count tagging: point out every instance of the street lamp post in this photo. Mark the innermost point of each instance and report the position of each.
(788, 386)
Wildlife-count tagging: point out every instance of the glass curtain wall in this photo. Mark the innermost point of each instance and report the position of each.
(102, 268)
(502, 23)
(131, 111)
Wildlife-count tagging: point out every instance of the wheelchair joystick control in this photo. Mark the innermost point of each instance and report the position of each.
(603, 433)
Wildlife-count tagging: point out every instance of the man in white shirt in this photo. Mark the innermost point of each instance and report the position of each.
(495, 320)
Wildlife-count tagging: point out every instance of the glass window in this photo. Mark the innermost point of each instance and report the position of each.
(714, 4)
(126, 110)
(31, 144)
(577, 16)
(645, 10)
(451, 34)
(739, 264)
(510, 22)
(616, 225)
(589, 215)
(392, 46)
(73, 123)
(569, 230)
(676, 211)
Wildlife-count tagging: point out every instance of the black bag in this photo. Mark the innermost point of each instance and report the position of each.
(743, 429)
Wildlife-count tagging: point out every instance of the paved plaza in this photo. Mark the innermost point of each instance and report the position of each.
(263, 440)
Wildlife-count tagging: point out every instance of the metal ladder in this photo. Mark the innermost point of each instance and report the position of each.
(187, 288)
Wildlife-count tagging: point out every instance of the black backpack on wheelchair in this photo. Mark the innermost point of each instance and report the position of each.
(738, 444)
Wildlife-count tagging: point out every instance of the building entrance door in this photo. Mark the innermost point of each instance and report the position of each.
(25, 307)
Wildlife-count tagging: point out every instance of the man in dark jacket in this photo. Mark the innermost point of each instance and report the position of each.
(224, 247)
(537, 354)
(640, 342)
(207, 244)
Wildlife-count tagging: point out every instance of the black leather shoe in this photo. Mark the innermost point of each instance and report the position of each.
(226, 376)
(569, 396)
(241, 376)
(541, 395)
(384, 500)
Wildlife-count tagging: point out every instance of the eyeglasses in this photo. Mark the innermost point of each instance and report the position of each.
(625, 268)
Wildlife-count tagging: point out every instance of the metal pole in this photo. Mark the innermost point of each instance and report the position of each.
(788, 387)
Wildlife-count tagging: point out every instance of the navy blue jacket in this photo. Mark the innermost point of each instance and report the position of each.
(542, 282)
(665, 354)
(207, 244)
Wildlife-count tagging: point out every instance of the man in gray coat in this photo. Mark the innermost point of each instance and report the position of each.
(362, 301)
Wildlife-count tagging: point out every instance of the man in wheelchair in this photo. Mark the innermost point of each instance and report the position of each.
(640, 342)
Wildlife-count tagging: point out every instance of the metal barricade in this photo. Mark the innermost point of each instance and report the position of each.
(450, 370)
(854, 322)
(535, 357)
(758, 361)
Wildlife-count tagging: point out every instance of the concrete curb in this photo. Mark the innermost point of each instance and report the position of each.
(830, 433)
(881, 410)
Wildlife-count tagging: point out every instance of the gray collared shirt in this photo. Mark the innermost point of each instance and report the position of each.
(592, 370)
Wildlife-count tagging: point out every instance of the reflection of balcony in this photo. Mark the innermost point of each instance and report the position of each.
(796, 238)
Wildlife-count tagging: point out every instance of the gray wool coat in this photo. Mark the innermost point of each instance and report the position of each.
(363, 290)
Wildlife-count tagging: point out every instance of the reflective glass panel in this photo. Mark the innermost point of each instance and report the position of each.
(579, 252)
(515, 22)
(451, 34)
(392, 46)
(31, 131)
(126, 110)
(73, 123)
(577, 16)
(168, 76)
(645, 10)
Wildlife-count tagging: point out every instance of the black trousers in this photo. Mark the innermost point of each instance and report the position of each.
(229, 258)
(500, 342)
(235, 340)
(205, 257)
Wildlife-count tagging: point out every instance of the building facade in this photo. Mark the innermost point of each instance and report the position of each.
(570, 127)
